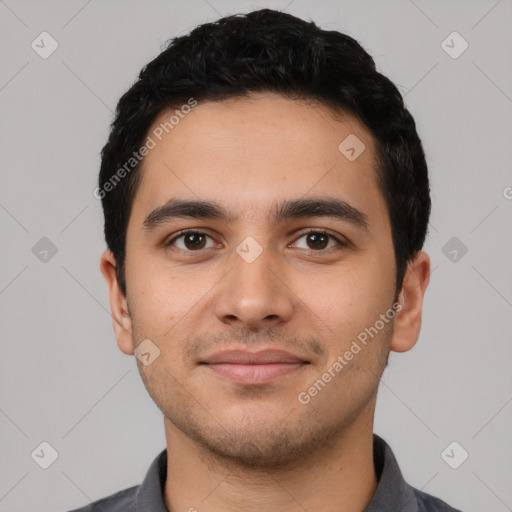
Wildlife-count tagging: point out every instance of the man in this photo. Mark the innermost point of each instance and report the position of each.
(266, 200)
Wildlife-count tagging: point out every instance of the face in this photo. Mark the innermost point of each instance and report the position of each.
(272, 286)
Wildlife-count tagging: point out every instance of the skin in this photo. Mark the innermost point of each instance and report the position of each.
(254, 448)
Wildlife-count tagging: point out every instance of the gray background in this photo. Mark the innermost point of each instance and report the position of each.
(63, 379)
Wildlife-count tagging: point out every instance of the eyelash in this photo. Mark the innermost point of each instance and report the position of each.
(181, 234)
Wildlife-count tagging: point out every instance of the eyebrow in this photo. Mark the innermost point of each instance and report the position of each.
(289, 209)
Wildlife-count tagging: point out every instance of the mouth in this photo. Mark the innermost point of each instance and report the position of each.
(253, 368)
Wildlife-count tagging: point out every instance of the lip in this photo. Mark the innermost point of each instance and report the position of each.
(244, 357)
(253, 368)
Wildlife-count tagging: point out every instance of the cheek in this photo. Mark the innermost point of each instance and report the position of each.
(155, 302)
(343, 303)
(166, 302)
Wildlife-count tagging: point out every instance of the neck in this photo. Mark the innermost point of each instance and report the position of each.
(339, 477)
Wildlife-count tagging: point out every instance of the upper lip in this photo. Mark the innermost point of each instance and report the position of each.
(245, 357)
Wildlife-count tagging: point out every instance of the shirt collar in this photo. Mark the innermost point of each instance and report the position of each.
(393, 492)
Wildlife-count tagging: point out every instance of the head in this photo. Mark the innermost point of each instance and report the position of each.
(273, 128)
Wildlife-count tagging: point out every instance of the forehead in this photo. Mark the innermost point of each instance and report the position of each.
(250, 153)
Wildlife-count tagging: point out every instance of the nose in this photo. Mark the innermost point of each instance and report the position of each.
(255, 295)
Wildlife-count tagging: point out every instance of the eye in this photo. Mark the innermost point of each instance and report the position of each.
(192, 240)
(319, 240)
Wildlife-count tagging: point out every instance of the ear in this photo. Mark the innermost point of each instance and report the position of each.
(407, 324)
(121, 318)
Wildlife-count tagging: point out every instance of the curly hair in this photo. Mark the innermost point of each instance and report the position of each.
(271, 51)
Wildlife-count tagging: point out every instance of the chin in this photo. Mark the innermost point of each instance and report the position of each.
(256, 444)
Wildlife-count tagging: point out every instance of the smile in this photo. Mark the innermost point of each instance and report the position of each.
(248, 368)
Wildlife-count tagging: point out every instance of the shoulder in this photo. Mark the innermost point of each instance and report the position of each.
(428, 503)
(121, 501)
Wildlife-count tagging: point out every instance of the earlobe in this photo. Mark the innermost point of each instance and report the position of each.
(407, 324)
(121, 318)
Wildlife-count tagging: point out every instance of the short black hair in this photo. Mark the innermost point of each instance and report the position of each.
(270, 51)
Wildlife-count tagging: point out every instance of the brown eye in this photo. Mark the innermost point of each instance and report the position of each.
(194, 241)
(318, 241)
(190, 241)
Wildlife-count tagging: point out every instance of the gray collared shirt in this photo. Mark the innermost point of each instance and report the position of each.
(393, 493)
